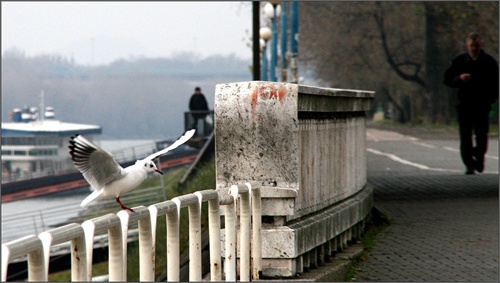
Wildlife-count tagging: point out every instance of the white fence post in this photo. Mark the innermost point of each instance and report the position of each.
(75, 234)
(115, 251)
(81, 238)
(244, 245)
(173, 261)
(124, 216)
(32, 246)
(110, 223)
(153, 212)
(146, 267)
(89, 230)
(256, 230)
(230, 228)
(214, 232)
(195, 247)
(6, 258)
(193, 203)
(166, 208)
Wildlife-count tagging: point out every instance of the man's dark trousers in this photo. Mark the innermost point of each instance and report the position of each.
(470, 122)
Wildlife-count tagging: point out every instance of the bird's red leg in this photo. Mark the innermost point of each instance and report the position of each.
(121, 204)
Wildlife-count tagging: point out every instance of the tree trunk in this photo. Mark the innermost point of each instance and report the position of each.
(432, 74)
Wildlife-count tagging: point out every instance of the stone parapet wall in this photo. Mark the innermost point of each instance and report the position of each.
(306, 146)
(333, 163)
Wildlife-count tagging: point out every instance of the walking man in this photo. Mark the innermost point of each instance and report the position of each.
(475, 74)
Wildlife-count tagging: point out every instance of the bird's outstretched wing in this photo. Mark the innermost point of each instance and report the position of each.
(97, 165)
(184, 138)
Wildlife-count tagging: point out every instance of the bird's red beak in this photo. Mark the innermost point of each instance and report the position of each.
(158, 171)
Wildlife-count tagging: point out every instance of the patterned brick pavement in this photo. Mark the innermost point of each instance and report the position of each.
(444, 227)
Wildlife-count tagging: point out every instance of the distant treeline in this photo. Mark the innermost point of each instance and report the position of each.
(140, 98)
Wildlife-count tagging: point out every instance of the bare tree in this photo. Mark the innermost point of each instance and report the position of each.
(399, 49)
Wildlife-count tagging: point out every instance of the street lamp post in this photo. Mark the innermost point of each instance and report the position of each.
(294, 33)
(274, 48)
(265, 35)
(270, 9)
(283, 42)
(255, 40)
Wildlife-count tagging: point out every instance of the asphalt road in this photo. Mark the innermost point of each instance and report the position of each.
(444, 224)
(405, 154)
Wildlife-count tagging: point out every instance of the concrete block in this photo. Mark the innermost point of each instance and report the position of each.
(279, 243)
(279, 267)
(278, 207)
(257, 136)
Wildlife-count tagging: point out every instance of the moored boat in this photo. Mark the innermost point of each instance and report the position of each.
(34, 143)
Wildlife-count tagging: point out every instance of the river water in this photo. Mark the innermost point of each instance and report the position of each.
(35, 215)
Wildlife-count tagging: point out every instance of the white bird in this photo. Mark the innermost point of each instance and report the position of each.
(106, 176)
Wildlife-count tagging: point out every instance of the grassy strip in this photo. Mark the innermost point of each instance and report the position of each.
(376, 225)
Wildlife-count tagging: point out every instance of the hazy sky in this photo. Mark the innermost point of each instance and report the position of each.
(100, 32)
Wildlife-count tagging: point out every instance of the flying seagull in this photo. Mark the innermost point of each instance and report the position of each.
(106, 176)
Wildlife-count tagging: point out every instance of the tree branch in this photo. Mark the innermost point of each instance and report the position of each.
(379, 20)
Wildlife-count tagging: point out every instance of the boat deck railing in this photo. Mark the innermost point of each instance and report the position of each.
(63, 166)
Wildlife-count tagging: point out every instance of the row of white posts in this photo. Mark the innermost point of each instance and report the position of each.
(81, 237)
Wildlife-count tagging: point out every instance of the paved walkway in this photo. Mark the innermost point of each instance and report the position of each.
(444, 227)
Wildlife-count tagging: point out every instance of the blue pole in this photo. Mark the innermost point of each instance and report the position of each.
(263, 74)
(294, 32)
(294, 26)
(274, 49)
(284, 29)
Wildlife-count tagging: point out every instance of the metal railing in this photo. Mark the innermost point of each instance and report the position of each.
(65, 165)
(206, 119)
(34, 222)
(81, 238)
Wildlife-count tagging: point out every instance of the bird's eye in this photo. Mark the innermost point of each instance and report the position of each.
(151, 166)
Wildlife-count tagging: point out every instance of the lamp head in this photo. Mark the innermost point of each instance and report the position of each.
(265, 33)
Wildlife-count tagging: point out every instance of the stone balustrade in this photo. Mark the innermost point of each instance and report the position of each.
(306, 146)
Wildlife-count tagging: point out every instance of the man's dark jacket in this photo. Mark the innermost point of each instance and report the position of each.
(482, 89)
(198, 103)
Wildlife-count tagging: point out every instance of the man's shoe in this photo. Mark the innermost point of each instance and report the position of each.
(479, 165)
(469, 170)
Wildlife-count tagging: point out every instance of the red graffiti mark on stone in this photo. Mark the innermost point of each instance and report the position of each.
(254, 97)
(281, 93)
(266, 93)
